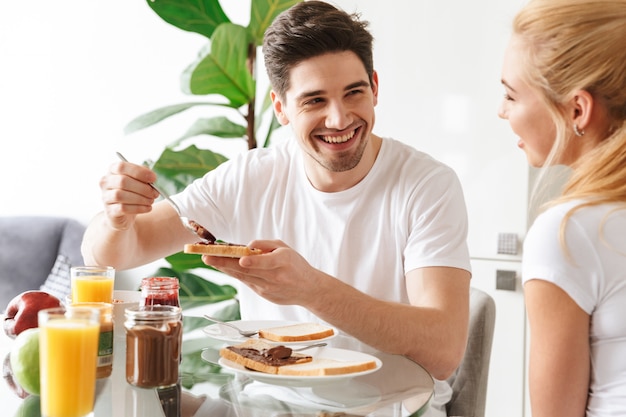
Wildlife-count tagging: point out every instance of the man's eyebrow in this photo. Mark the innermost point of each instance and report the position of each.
(314, 93)
(507, 85)
(357, 84)
(308, 94)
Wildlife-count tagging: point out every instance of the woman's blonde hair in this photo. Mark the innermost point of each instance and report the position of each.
(572, 45)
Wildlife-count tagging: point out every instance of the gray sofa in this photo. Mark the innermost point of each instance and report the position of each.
(36, 252)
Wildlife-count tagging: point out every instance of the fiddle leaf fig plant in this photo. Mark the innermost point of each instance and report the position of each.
(224, 75)
(222, 78)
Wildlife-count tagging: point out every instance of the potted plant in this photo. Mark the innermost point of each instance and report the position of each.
(224, 74)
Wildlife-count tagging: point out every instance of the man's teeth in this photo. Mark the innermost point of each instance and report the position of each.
(338, 139)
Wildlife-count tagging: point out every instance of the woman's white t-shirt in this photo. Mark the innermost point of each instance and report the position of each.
(593, 274)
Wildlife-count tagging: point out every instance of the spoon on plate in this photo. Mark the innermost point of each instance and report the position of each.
(320, 344)
(244, 333)
(192, 226)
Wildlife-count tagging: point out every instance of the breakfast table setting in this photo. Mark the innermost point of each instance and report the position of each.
(389, 386)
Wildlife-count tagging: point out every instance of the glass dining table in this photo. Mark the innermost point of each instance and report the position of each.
(400, 387)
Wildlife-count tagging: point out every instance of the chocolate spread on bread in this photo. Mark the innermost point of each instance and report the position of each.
(275, 356)
(208, 236)
(202, 232)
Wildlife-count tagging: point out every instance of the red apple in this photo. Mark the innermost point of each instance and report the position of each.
(21, 312)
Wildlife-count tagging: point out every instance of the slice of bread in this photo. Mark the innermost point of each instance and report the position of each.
(221, 249)
(252, 354)
(297, 332)
(325, 366)
(304, 365)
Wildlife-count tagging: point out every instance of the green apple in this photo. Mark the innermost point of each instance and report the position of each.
(25, 360)
(30, 407)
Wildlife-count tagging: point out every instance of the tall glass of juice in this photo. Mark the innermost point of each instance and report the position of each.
(92, 284)
(68, 357)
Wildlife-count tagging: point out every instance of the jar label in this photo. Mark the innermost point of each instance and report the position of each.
(105, 344)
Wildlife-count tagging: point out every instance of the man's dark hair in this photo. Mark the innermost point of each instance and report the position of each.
(310, 29)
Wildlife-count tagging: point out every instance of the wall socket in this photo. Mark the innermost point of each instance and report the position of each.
(506, 280)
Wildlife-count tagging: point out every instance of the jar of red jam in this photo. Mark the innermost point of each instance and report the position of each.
(160, 291)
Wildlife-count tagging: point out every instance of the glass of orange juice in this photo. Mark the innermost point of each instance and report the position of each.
(92, 284)
(68, 357)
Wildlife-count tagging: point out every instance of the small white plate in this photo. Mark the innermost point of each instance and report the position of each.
(309, 381)
(227, 334)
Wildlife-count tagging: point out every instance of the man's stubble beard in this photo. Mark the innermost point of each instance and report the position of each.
(341, 163)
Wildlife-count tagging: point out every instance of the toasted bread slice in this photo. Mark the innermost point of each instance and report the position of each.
(297, 332)
(302, 365)
(253, 354)
(228, 250)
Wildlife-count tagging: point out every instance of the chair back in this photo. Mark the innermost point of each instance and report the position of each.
(469, 381)
(36, 252)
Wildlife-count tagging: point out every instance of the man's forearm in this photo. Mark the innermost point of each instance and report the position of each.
(103, 245)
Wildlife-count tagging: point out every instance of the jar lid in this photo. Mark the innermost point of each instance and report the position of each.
(153, 312)
(160, 283)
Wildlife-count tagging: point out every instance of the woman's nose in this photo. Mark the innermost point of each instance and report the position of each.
(502, 111)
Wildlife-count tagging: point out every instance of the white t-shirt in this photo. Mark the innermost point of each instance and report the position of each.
(408, 212)
(594, 276)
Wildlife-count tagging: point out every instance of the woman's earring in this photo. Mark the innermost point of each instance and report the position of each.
(577, 131)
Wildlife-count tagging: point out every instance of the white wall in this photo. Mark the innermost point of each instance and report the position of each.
(72, 74)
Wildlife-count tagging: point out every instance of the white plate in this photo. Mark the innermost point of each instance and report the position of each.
(308, 381)
(227, 334)
(302, 400)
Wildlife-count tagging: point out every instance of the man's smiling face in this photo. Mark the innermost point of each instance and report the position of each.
(330, 106)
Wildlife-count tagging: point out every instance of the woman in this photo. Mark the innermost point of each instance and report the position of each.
(564, 74)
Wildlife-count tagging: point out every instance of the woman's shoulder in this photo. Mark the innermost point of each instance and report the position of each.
(581, 213)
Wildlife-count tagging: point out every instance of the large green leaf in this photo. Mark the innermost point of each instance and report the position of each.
(200, 16)
(196, 291)
(224, 70)
(193, 369)
(155, 116)
(228, 313)
(184, 261)
(191, 323)
(176, 169)
(220, 126)
(267, 111)
(262, 13)
(274, 124)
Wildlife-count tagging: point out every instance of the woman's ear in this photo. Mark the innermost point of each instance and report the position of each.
(277, 104)
(582, 109)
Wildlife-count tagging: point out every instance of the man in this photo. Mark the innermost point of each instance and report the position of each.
(364, 233)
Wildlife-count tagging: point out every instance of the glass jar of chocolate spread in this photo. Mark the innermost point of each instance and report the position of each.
(160, 291)
(153, 345)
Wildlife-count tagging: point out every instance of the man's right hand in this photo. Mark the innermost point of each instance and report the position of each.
(126, 192)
